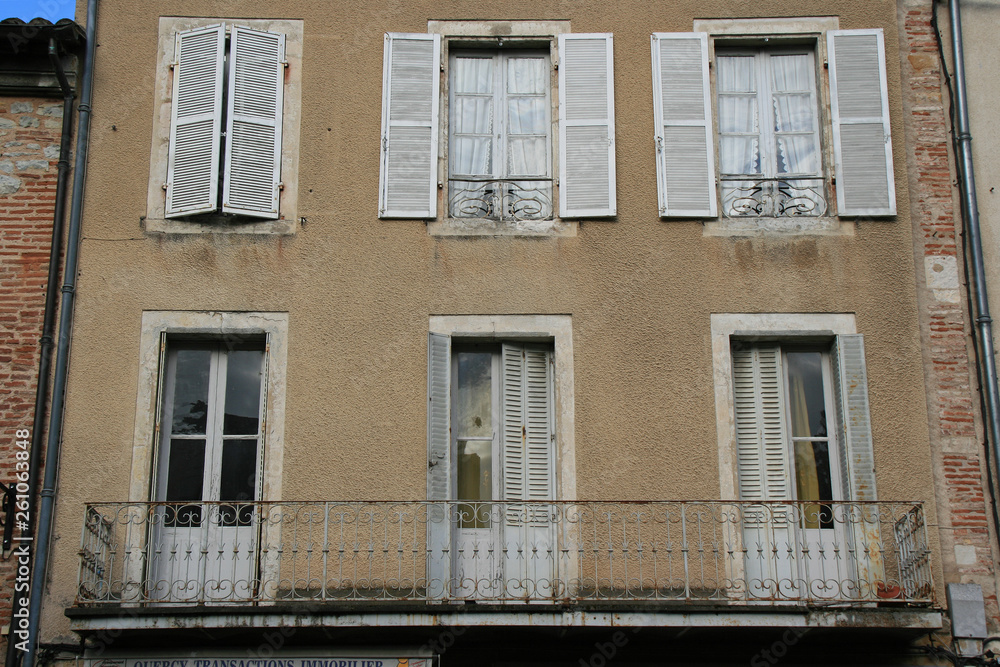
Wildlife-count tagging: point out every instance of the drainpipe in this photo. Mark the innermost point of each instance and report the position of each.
(45, 342)
(970, 208)
(62, 351)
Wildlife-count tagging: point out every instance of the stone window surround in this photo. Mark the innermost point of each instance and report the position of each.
(288, 223)
(557, 329)
(217, 326)
(780, 326)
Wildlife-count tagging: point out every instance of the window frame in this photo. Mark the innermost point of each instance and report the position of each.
(288, 222)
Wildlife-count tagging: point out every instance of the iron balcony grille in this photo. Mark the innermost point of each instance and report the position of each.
(788, 197)
(501, 199)
(736, 552)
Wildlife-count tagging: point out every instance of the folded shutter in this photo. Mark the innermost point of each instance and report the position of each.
(586, 126)
(195, 122)
(253, 123)
(410, 84)
(439, 515)
(861, 140)
(682, 111)
(854, 421)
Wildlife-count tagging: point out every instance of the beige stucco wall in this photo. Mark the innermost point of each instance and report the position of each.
(359, 291)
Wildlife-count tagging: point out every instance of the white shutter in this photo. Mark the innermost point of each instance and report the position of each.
(539, 434)
(195, 122)
(514, 433)
(861, 140)
(253, 123)
(853, 419)
(762, 455)
(440, 515)
(682, 112)
(586, 126)
(410, 84)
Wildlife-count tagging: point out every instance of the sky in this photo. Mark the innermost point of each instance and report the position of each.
(53, 10)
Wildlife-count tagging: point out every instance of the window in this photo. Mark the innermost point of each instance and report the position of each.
(499, 144)
(499, 165)
(499, 438)
(225, 127)
(765, 117)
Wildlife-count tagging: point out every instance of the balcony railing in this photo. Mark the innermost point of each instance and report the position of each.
(725, 552)
(754, 197)
(500, 199)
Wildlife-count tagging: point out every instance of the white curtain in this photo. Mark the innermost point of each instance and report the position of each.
(794, 112)
(739, 122)
(472, 117)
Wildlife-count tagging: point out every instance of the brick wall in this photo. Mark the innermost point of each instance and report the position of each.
(29, 151)
(956, 438)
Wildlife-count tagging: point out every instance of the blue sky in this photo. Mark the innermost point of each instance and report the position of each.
(52, 10)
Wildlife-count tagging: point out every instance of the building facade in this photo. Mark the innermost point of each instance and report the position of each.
(534, 333)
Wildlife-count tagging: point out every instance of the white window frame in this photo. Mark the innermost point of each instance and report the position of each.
(790, 327)
(288, 221)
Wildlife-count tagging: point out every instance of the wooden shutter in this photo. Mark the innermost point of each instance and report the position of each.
(762, 454)
(527, 427)
(861, 140)
(410, 84)
(853, 420)
(440, 516)
(253, 123)
(586, 126)
(195, 122)
(682, 112)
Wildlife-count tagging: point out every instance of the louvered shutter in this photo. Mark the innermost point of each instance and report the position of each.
(253, 123)
(682, 112)
(762, 454)
(195, 122)
(586, 126)
(854, 422)
(861, 138)
(410, 84)
(440, 515)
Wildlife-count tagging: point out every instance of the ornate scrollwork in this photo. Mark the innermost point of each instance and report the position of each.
(501, 200)
(773, 197)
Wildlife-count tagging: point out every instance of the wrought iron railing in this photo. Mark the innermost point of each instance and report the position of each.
(727, 552)
(500, 199)
(751, 197)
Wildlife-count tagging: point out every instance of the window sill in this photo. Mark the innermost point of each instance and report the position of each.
(220, 225)
(802, 226)
(473, 227)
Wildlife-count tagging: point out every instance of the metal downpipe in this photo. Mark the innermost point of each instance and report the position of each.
(45, 509)
(45, 342)
(970, 207)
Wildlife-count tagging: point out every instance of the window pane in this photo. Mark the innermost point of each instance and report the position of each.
(472, 156)
(185, 478)
(526, 76)
(526, 115)
(797, 154)
(238, 480)
(813, 481)
(190, 413)
(790, 73)
(526, 156)
(475, 482)
(472, 75)
(243, 392)
(736, 74)
(472, 115)
(738, 113)
(474, 395)
(794, 113)
(739, 155)
(805, 394)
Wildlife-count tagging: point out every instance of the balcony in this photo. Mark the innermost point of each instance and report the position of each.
(626, 553)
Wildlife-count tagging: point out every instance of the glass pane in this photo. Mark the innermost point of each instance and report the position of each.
(794, 113)
(813, 481)
(190, 414)
(805, 394)
(238, 480)
(472, 75)
(526, 156)
(471, 156)
(243, 376)
(797, 154)
(474, 395)
(526, 115)
(475, 482)
(526, 76)
(736, 74)
(738, 113)
(739, 155)
(185, 480)
(790, 73)
(473, 115)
